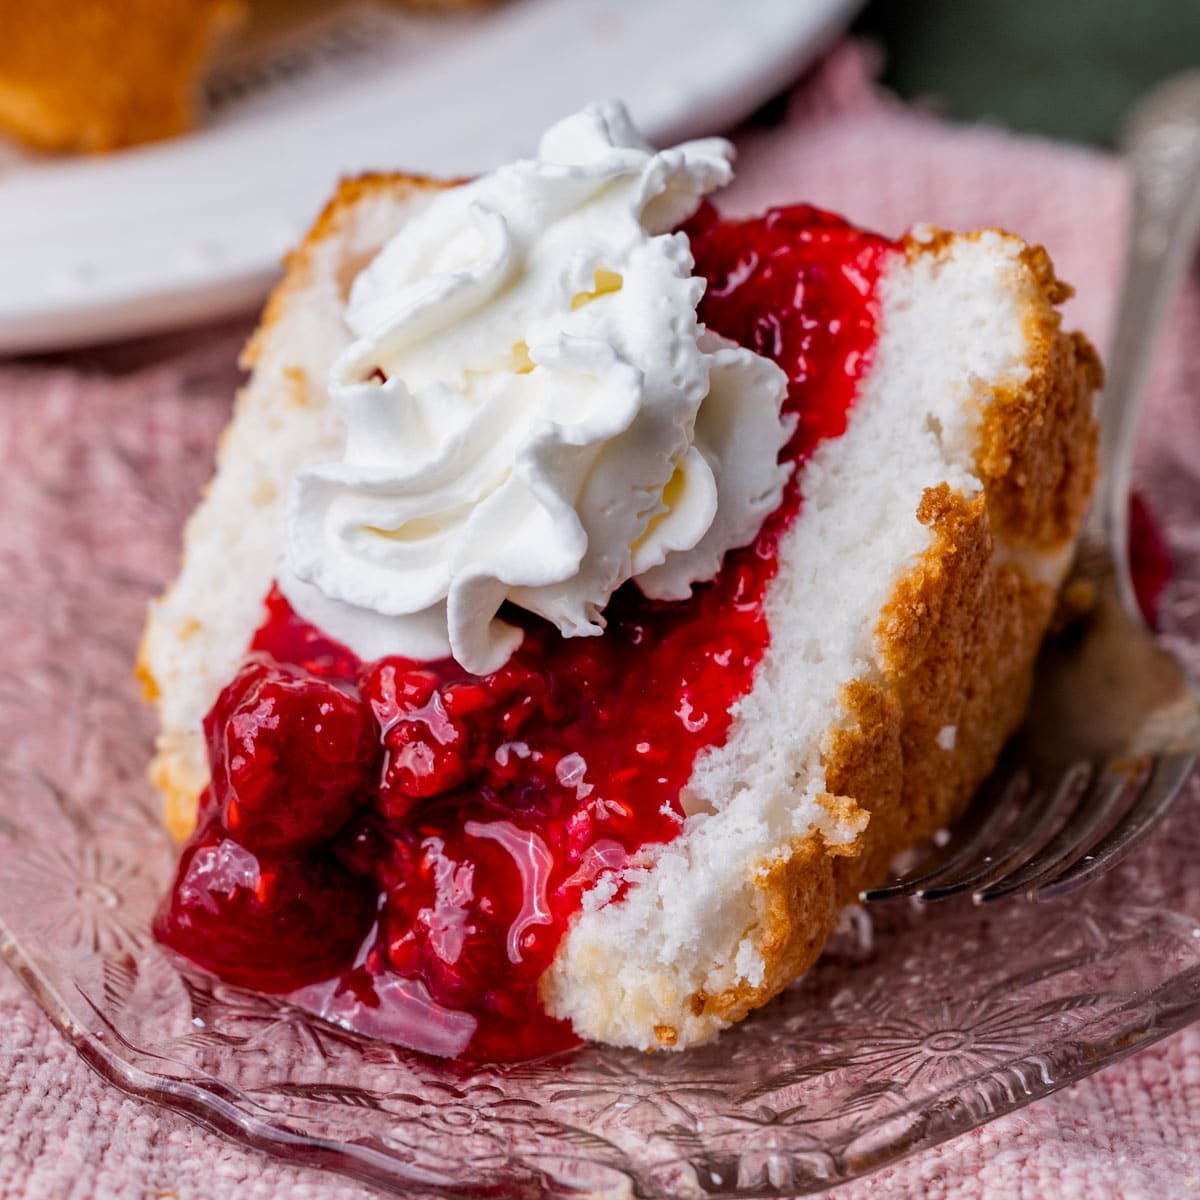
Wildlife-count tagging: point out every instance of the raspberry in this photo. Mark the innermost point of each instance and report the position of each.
(448, 921)
(522, 693)
(395, 687)
(261, 921)
(292, 756)
(427, 754)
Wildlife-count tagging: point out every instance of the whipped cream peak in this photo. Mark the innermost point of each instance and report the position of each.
(533, 413)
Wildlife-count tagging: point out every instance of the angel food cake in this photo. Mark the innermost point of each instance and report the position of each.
(595, 593)
(99, 75)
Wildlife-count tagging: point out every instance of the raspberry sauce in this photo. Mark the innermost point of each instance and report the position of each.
(1149, 558)
(402, 845)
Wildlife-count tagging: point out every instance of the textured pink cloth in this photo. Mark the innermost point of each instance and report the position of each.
(1131, 1131)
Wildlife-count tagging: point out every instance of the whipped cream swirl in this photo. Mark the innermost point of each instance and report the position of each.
(533, 413)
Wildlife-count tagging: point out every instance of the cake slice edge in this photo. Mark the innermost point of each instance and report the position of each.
(915, 587)
(197, 631)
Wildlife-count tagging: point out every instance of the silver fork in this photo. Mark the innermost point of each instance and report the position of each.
(1113, 727)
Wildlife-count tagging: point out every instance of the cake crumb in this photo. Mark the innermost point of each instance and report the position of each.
(947, 736)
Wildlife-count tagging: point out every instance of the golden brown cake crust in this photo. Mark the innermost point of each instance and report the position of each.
(95, 75)
(957, 642)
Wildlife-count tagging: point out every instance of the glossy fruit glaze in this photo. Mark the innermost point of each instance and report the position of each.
(406, 843)
(1149, 558)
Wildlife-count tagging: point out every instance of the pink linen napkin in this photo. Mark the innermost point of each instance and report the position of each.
(1132, 1131)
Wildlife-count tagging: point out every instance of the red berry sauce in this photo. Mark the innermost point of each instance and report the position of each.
(1149, 558)
(403, 844)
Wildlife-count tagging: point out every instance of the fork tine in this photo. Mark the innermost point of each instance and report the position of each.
(967, 837)
(1093, 811)
(1171, 772)
(1028, 831)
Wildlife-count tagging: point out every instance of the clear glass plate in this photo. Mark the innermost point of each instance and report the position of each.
(916, 1027)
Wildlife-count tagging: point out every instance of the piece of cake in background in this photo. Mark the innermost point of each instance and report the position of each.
(95, 75)
(640, 835)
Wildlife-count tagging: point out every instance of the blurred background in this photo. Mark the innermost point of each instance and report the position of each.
(158, 157)
(1065, 68)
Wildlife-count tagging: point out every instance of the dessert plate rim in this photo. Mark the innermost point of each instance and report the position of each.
(194, 228)
(805, 1156)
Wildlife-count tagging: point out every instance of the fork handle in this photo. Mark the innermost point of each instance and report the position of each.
(1162, 147)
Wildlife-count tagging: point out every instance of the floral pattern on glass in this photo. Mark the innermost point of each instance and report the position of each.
(915, 1027)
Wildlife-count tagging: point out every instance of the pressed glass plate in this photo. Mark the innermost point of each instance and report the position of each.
(918, 1026)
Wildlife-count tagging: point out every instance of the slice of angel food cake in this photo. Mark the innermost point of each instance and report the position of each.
(595, 593)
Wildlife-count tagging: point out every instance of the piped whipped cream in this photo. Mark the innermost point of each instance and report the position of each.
(534, 414)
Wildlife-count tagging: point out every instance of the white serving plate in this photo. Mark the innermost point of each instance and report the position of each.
(99, 248)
